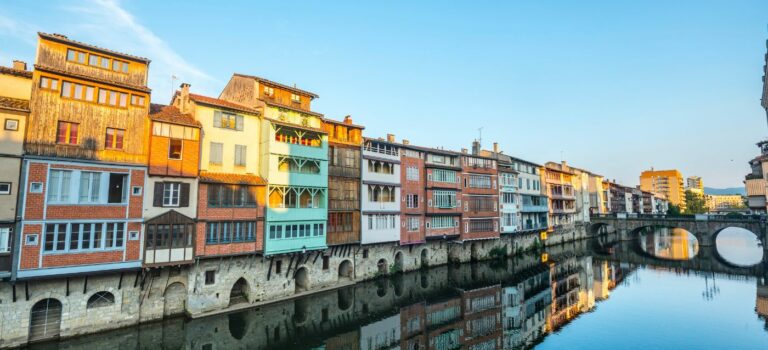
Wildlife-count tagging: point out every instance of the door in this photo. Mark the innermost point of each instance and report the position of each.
(45, 320)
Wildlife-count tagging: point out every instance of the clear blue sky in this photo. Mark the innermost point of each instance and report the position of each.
(616, 86)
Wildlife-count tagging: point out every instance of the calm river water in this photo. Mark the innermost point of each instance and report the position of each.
(662, 291)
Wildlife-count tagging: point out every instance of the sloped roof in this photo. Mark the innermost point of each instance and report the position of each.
(229, 178)
(282, 86)
(64, 39)
(14, 104)
(17, 72)
(171, 114)
(211, 101)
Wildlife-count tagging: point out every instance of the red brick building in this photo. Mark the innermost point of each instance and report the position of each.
(85, 160)
(412, 201)
(480, 197)
(442, 193)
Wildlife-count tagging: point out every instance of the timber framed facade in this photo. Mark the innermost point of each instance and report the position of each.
(344, 139)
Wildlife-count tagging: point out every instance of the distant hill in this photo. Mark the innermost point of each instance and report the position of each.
(732, 190)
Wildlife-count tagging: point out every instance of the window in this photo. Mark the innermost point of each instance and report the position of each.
(227, 120)
(481, 225)
(508, 198)
(381, 193)
(229, 196)
(444, 199)
(441, 175)
(297, 137)
(375, 166)
(278, 266)
(36, 187)
(269, 91)
(298, 165)
(67, 133)
(175, 131)
(78, 91)
(412, 201)
(171, 194)
(49, 83)
(381, 222)
(210, 277)
(326, 262)
(100, 299)
(58, 186)
(479, 181)
(412, 173)
(137, 100)
(72, 237)
(413, 224)
(295, 98)
(240, 155)
(112, 98)
(365, 253)
(217, 153)
(30, 240)
(230, 231)
(5, 239)
(98, 61)
(90, 186)
(5, 188)
(114, 138)
(118, 184)
(174, 149)
(443, 222)
(119, 66)
(75, 56)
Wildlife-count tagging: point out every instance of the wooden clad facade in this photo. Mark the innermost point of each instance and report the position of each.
(344, 139)
(67, 88)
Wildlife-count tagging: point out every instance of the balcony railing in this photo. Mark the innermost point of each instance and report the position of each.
(389, 152)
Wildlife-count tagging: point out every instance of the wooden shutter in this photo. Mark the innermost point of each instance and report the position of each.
(184, 195)
(239, 123)
(217, 119)
(157, 201)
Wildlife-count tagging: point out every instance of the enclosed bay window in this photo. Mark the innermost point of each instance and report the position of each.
(75, 237)
(90, 187)
(382, 222)
(379, 167)
(444, 222)
(296, 197)
(482, 225)
(381, 193)
(59, 183)
(297, 136)
(231, 196)
(298, 165)
(444, 199)
(442, 175)
(479, 181)
(118, 188)
(230, 232)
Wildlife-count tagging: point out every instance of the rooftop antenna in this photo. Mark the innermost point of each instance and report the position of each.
(173, 82)
(480, 139)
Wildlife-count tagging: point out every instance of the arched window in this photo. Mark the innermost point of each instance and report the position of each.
(101, 299)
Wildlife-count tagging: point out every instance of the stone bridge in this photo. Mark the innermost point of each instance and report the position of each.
(704, 227)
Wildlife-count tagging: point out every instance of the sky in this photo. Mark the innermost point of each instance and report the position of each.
(616, 87)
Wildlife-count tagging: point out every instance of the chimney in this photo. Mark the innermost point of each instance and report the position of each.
(184, 106)
(464, 150)
(391, 138)
(406, 142)
(475, 147)
(19, 65)
(564, 164)
(496, 147)
(348, 120)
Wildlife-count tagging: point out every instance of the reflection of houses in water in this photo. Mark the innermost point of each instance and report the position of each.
(607, 275)
(525, 306)
(381, 335)
(669, 243)
(572, 283)
(761, 304)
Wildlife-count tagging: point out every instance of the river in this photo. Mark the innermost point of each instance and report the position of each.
(662, 291)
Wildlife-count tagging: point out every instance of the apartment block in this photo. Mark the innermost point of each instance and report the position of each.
(442, 192)
(480, 196)
(665, 182)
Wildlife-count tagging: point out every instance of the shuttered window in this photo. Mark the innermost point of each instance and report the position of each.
(171, 194)
(240, 155)
(217, 153)
(227, 120)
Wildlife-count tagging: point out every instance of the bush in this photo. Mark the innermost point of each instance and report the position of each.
(498, 253)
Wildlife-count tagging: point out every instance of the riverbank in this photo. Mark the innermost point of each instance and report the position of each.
(92, 304)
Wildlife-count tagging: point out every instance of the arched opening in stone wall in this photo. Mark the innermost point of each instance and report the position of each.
(399, 262)
(300, 310)
(239, 292)
(398, 285)
(45, 320)
(382, 286)
(424, 258)
(474, 253)
(344, 297)
(382, 266)
(345, 270)
(424, 277)
(175, 298)
(301, 280)
(100, 299)
(237, 325)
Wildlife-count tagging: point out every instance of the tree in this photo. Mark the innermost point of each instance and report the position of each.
(695, 203)
(673, 210)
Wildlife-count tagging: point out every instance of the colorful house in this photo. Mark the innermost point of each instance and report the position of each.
(380, 191)
(412, 194)
(230, 195)
(293, 159)
(533, 197)
(86, 158)
(344, 139)
(562, 195)
(15, 89)
(443, 193)
(170, 209)
(480, 196)
(509, 202)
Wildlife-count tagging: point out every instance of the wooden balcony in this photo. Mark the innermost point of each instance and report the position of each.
(87, 151)
(345, 237)
(336, 170)
(343, 204)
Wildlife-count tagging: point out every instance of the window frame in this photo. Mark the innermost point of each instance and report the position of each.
(117, 134)
(9, 190)
(171, 148)
(169, 188)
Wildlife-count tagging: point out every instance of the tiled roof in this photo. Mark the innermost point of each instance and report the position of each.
(338, 122)
(16, 72)
(93, 78)
(171, 114)
(64, 39)
(296, 126)
(228, 178)
(280, 105)
(14, 104)
(222, 103)
(282, 86)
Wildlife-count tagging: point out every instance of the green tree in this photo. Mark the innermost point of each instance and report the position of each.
(695, 203)
(673, 210)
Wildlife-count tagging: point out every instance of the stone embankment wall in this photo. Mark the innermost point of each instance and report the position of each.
(223, 284)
